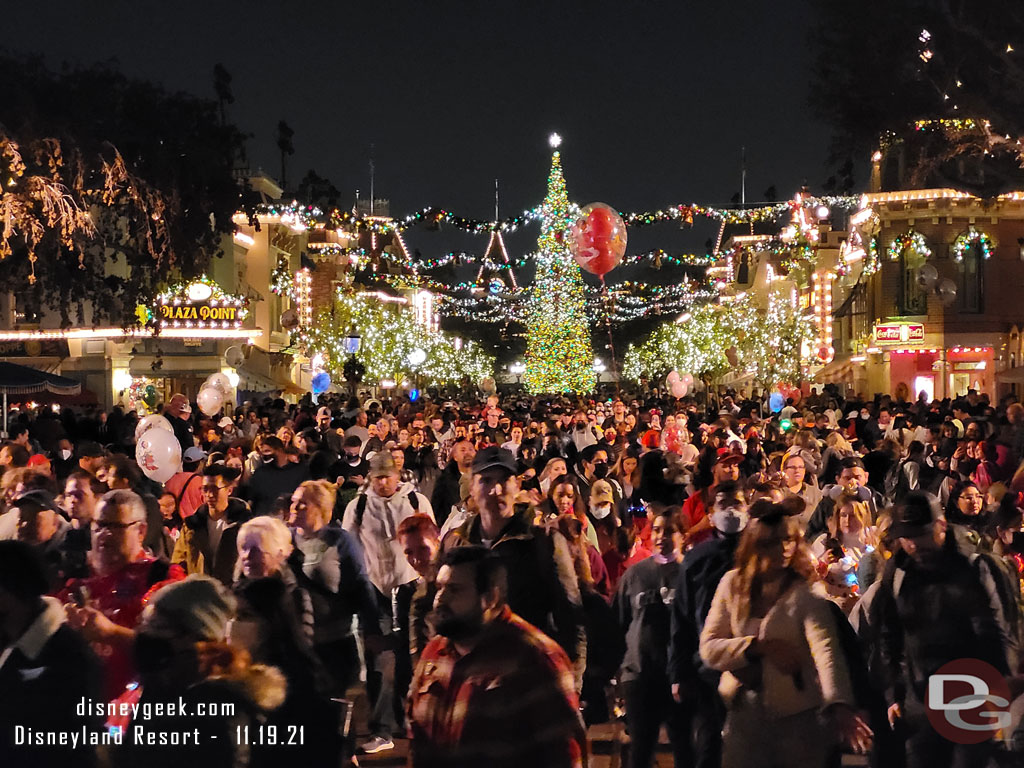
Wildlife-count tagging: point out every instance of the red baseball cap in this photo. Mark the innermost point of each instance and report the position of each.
(726, 456)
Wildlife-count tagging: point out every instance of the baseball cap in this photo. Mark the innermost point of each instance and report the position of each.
(383, 464)
(195, 453)
(726, 456)
(601, 491)
(494, 456)
(225, 422)
(324, 411)
(913, 516)
(959, 427)
(90, 450)
(38, 460)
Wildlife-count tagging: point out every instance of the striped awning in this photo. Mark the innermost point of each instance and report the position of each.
(23, 380)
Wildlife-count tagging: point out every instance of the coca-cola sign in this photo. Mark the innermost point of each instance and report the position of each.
(899, 333)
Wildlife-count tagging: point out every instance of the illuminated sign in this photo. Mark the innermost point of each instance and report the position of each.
(201, 304)
(899, 333)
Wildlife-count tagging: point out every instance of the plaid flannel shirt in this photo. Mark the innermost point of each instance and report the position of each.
(510, 701)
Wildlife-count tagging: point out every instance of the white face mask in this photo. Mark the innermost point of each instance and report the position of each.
(601, 511)
(729, 519)
(65, 454)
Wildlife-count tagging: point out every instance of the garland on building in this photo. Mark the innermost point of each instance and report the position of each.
(389, 333)
(559, 357)
(912, 241)
(972, 237)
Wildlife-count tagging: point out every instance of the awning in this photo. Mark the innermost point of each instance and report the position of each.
(22, 380)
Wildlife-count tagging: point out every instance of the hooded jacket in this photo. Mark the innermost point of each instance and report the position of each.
(376, 534)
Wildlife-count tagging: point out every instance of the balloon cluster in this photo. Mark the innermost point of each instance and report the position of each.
(320, 383)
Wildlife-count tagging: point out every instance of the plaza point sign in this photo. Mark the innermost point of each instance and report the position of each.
(899, 333)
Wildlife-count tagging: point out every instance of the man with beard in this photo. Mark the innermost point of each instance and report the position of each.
(490, 689)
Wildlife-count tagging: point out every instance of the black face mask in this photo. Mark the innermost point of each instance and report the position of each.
(600, 470)
(268, 458)
(580, 427)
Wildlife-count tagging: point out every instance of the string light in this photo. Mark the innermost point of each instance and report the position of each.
(559, 357)
(972, 237)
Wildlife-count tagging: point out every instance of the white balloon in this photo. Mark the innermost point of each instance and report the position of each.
(687, 379)
(151, 421)
(234, 356)
(210, 399)
(220, 382)
(679, 389)
(158, 454)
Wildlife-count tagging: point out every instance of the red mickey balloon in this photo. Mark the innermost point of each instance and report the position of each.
(597, 240)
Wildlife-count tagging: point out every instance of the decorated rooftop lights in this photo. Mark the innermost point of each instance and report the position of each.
(559, 356)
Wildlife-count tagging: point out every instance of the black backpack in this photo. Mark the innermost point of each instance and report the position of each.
(361, 506)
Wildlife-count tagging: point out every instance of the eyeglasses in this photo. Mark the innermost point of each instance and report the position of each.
(112, 525)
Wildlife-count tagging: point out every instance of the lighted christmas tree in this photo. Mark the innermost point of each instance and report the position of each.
(559, 357)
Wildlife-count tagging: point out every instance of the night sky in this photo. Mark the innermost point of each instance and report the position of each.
(653, 99)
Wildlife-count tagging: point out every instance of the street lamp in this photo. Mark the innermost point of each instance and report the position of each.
(350, 344)
(599, 368)
(416, 358)
(517, 369)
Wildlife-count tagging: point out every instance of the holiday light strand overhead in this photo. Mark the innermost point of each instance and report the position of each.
(432, 218)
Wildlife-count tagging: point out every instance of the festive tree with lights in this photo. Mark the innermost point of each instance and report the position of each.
(559, 357)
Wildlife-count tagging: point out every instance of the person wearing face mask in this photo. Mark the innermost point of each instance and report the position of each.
(277, 476)
(642, 606)
(605, 523)
(64, 462)
(594, 465)
(693, 684)
(583, 433)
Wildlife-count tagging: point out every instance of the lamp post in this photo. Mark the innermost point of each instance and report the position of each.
(517, 369)
(350, 345)
(599, 368)
(416, 358)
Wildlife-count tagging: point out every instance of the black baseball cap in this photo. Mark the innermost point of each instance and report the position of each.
(494, 456)
(90, 450)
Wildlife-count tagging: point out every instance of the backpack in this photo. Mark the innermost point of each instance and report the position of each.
(896, 483)
(361, 506)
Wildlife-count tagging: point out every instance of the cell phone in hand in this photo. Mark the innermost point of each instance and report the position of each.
(80, 595)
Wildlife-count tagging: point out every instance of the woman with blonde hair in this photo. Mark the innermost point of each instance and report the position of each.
(328, 562)
(773, 636)
(837, 448)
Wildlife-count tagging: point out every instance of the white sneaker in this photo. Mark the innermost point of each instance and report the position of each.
(376, 744)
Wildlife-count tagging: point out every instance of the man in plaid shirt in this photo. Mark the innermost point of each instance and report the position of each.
(490, 690)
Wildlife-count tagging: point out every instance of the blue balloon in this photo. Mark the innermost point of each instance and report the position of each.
(321, 382)
(414, 395)
(776, 401)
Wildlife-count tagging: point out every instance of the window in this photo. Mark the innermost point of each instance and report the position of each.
(914, 299)
(970, 289)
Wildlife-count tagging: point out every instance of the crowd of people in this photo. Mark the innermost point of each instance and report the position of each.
(496, 575)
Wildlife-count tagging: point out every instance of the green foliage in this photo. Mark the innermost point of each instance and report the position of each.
(154, 170)
(389, 332)
(767, 338)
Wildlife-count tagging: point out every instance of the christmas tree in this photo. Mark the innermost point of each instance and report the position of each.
(559, 357)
